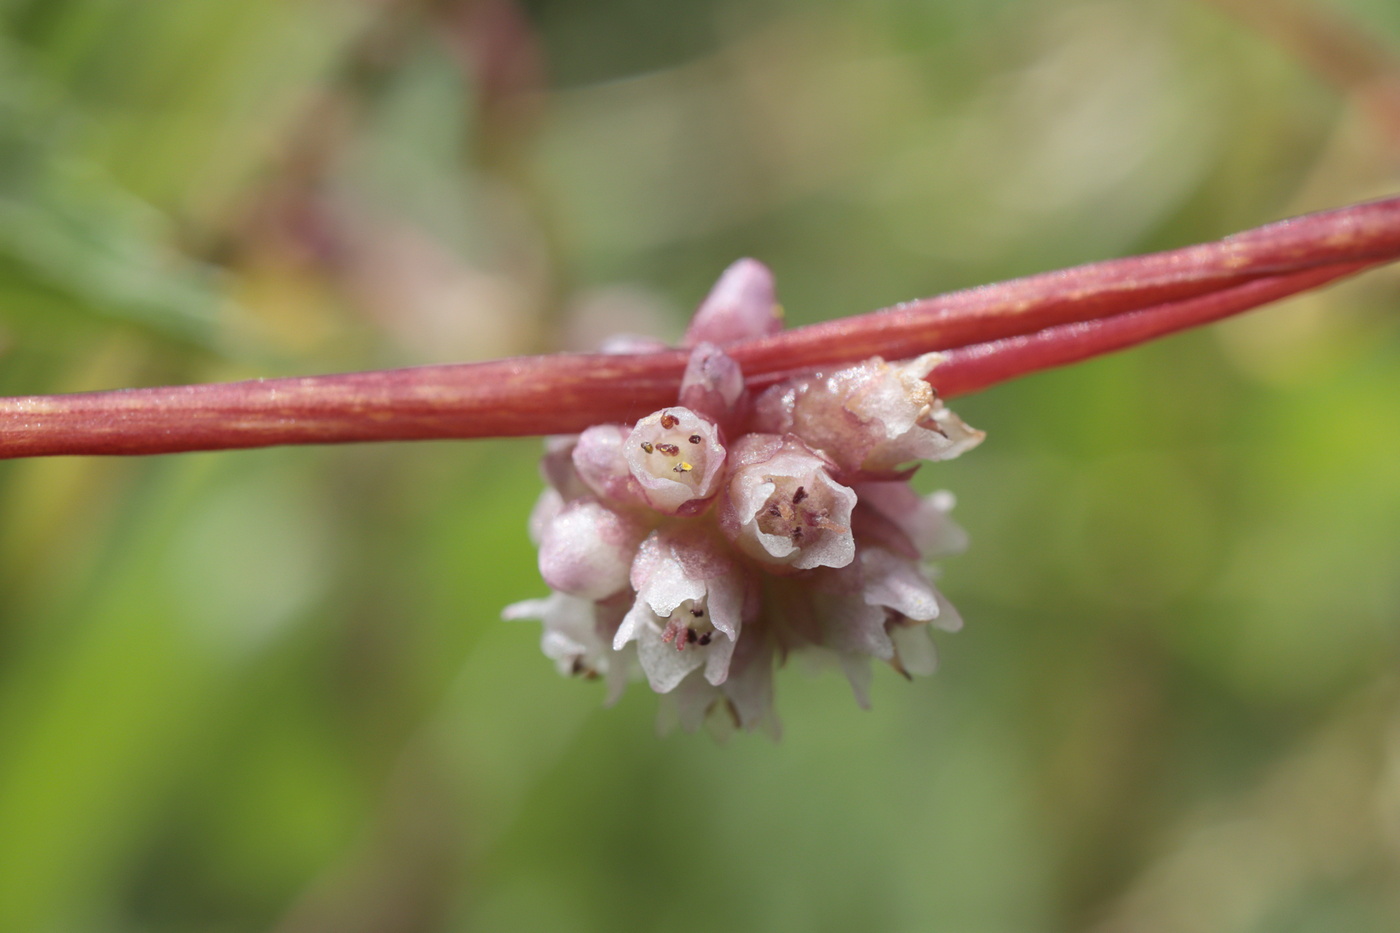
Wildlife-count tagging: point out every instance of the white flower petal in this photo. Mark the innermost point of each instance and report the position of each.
(897, 583)
(665, 666)
(570, 636)
(718, 654)
(914, 648)
(949, 619)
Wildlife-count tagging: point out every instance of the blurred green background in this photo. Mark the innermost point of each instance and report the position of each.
(269, 691)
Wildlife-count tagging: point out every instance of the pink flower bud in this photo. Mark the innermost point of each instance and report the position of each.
(783, 509)
(713, 383)
(676, 457)
(688, 611)
(870, 417)
(557, 466)
(586, 549)
(547, 506)
(741, 306)
(602, 468)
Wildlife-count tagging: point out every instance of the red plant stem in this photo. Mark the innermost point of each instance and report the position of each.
(1359, 233)
(1003, 330)
(978, 366)
(555, 394)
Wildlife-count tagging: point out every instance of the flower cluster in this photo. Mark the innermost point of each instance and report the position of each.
(705, 543)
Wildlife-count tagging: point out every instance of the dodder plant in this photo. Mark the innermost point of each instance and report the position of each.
(716, 507)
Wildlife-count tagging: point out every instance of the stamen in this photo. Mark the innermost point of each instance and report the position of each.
(682, 467)
(931, 424)
(670, 450)
(669, 421)
(646, 446)
(695, 438)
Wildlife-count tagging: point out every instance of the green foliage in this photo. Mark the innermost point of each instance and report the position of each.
(269, 690)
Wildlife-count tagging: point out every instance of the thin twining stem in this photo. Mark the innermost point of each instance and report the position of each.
(994, 333)
(968, 369)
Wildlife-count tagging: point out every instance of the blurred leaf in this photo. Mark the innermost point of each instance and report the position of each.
(66, 228)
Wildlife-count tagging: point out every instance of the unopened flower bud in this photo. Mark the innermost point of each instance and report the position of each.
(783, 509)
(676, 457)
(741, 306)
(547, 506)
(586, 549)
(601, 465)
(712, 384)
(557, 466)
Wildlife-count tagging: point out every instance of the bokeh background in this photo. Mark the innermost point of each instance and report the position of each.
(269, 690)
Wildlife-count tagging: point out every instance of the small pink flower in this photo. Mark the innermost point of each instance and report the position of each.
(871, 417)
(577, 637)
(783, 509)
(688, 610)
(677, 458)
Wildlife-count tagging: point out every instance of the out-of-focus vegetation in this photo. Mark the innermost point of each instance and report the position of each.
(269, 691)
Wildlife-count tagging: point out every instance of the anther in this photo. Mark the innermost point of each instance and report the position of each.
(669, 421)
(694, 438)
(799, 495)
(682, 467)
(646, 446)
(705, 639)
(670, 450)
(697, 612)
